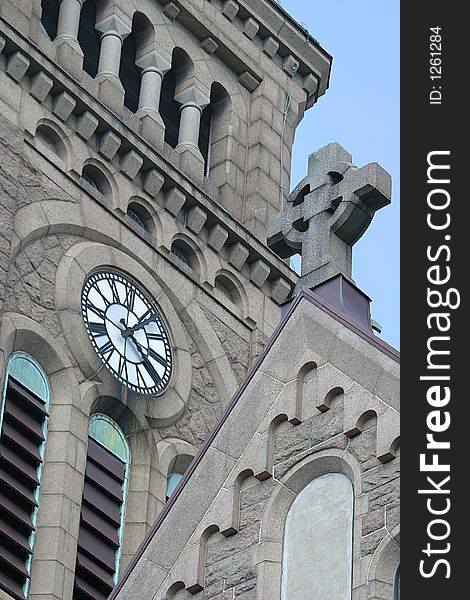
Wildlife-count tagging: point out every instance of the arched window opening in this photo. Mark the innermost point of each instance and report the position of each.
(95, 178)
(51, 140)
(50, 17)
(181, 70)
(205, 132)
(178, 468)
(89, 38)
(317, 555)
(396, 585)
(183, 252)
(135, 213)
(169, 109)
(23, 429)
(228, 289)
(103, 508)
(129, 73)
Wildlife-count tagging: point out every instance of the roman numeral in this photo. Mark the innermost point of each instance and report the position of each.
(158, 337)
(159, 359)
(130, 298)
(107, 348)
(97, 329)
(151, 371)
(114, 291)
(97, 311)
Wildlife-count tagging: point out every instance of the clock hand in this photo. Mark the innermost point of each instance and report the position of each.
(145, 359)
(130, 330)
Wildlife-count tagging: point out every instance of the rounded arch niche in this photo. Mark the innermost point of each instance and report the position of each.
(78, 263)
(317, 555)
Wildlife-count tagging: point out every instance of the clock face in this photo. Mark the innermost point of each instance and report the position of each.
(127, 332)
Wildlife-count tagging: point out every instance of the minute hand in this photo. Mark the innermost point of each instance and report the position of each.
(130, 330)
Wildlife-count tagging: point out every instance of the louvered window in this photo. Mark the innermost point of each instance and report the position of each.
(23, 419)
(102, 514)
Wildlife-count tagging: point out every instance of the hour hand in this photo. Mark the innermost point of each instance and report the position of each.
(130, 330)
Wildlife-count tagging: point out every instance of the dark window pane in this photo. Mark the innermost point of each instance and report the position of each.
(50, 16)
(129, 74)
(89, 38)
(205, 135)
(169, 109)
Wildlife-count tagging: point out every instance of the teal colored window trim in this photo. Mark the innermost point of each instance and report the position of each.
(107, 432)
(27, 371)
(172, 481)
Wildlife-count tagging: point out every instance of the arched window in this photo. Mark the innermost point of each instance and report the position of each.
(228, 289)
(89, 38)
(178, 468)
(169, 109)
(102, 513)
(205, 132)
(135, 215)
(180, 250)
(96, 179)
(129, 74)
(23, 427)
(51, 140)
(50, 17)
(317, 556)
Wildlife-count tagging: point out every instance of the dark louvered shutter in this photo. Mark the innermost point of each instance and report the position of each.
(100, 522)
(21, 440)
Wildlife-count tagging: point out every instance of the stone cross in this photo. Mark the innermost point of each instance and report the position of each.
(328, 212)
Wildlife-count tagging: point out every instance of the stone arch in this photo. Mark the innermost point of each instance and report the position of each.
(99, 179)
(383, 567)
(130, 417)
(135, 45)
(50, 138)
(65, 441)
(35, 220)
(306, 374)
(299, 475)
(231, 288)
(141, 215)
(193, 252)
(332, 396)
(325, 568)
(72, 272)
(175, 456)
(365, 419)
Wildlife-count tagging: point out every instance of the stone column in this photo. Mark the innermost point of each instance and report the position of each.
(114, 30)
(69, 54)
(111, 91)
(153, 66)
(192, 102)
(69, 20)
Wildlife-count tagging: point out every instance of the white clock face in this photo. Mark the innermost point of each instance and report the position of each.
(127, 332)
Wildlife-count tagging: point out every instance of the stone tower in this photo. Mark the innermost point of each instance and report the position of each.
(146, 150)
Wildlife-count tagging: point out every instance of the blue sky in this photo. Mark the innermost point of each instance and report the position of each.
(360, 110)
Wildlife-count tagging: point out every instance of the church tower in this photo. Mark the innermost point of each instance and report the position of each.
(146, 226)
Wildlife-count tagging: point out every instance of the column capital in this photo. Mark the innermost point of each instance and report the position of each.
(153, 60)
(192, 96)
(113, 24)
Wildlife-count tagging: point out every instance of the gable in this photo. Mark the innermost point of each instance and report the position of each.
(323, 389)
